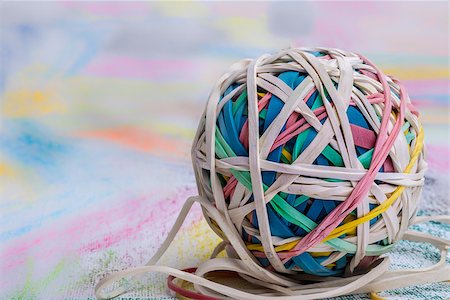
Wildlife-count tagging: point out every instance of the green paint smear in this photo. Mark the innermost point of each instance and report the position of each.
(31, 289)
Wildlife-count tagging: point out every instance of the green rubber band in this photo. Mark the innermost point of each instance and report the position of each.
(241, 100)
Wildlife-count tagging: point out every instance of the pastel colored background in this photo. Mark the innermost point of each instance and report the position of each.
(100, 102)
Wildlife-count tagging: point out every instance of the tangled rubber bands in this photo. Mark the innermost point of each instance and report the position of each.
(309, 165)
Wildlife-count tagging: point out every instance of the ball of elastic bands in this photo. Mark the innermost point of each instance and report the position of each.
(309, 165)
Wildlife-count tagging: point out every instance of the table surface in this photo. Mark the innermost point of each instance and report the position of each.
(99, 104)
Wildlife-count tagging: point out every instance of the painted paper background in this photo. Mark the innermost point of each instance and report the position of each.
(100, 102)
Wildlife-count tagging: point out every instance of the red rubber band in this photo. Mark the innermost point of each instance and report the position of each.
(184, 292)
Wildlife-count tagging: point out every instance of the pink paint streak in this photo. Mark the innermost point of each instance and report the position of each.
(438, 158)
(122, 66)
(99, 229)
(423, 87)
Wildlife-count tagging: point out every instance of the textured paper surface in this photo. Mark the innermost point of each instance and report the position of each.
(99, 104)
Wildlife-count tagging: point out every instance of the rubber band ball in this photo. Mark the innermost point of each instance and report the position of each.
(315, 159)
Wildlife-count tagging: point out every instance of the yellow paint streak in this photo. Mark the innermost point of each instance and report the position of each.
(242, 29)
(24, 103)
(425, 72)
(181, 9)
(6, 170)
(435, 117)
(200, 241)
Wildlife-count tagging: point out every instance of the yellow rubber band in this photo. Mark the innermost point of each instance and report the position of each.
(386, 204)
(374, 296)
(286, 154)
(350, 227)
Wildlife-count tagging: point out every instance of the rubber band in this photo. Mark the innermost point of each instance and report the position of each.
(309, 165)
(375, 296)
